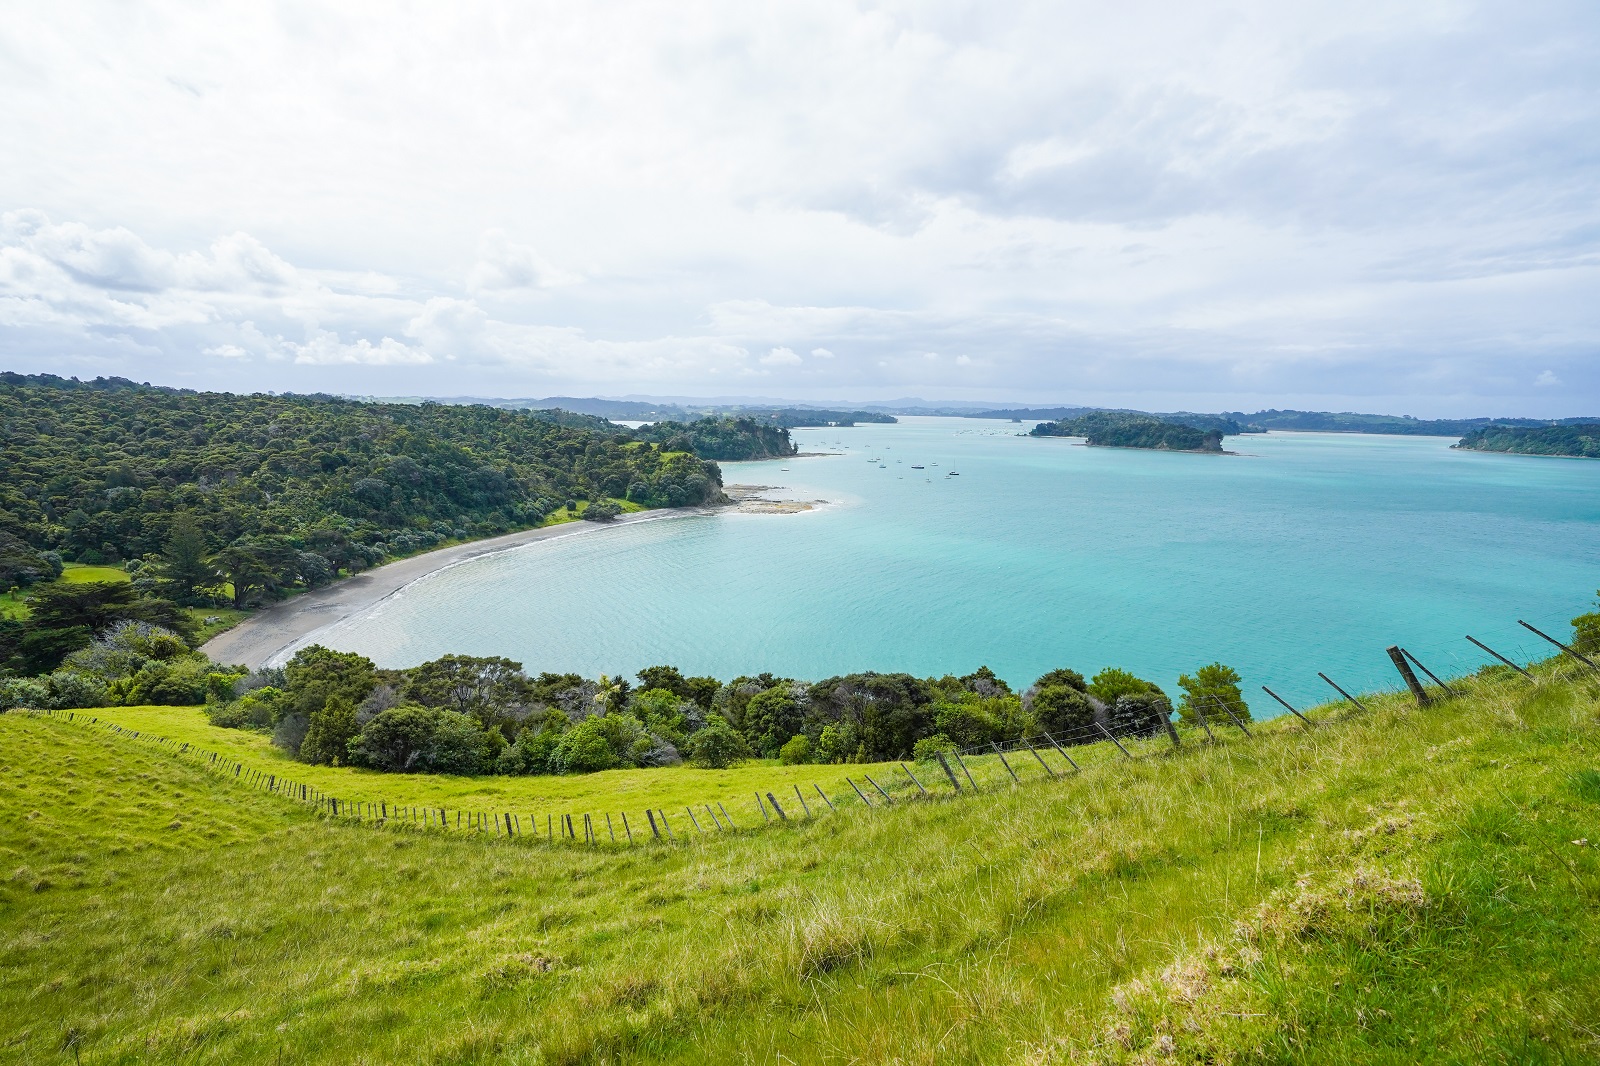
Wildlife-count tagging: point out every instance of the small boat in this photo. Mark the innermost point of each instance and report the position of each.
(916, 468)
(882, 467)
(952, 473)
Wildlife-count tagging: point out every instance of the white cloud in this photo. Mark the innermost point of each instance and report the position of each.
(1255, 200)
(1546, 380)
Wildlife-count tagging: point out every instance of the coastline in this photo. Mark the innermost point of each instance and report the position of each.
(272, 631)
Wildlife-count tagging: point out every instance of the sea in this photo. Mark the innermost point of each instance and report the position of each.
(945, 544)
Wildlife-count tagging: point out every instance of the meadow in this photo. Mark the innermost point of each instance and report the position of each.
(607, 792)
(1393, 886)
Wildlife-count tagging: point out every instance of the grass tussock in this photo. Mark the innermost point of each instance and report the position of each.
(1396, 886)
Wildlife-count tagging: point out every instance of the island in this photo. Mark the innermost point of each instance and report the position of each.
(1127, 429)
(1571, 441)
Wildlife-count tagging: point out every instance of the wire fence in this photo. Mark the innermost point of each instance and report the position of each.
(1042, 757)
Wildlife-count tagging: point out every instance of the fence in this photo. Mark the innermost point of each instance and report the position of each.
(1040, 749)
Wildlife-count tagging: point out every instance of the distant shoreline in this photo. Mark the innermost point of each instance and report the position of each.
(272, 631)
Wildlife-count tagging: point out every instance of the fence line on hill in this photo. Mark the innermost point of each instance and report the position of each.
(508, 824)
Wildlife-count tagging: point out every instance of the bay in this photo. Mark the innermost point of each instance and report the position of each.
(1306, 552)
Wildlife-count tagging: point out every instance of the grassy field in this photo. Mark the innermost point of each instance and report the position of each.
(1397, 886)
(611, 791)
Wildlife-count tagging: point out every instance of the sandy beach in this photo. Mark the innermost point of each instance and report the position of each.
(272, 632)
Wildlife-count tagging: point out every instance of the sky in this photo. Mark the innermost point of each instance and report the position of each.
(1345, 205)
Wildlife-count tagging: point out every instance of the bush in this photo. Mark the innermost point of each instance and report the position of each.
(966, 724)
(460, 745)
(771, 718)
(23, 692)
(1586, 633)
(1065, 713)
(530, 754)
(1111, 684)
(72, 690)
(717, 745)
(290, 733)
(928, 748)
(1209, 691)
(585, 748)
(1140, 714)
(328, 733)
(796, 751)
(601, 511)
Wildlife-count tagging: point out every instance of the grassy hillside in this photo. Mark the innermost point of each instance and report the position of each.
(1395, 886)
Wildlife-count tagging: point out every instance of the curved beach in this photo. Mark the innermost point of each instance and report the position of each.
(263, 636)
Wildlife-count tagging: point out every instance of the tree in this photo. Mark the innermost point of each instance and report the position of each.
(1111, 684)
(1140, 714)
(1212, 692)
(717, 745)
(771, 718)
(1065, 713)
(328, 732)
(317, 674)
(252, 565)
(796, 750)
(601, 511)
(183, 570)
(97, 605)
(396, 740)
(22, 565)
(490, 689)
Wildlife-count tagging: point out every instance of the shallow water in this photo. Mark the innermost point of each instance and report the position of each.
(1309, 552)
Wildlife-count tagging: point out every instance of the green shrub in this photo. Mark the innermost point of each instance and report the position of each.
(1111, 684)
(928, 748)
(796, 751)
(585, 748)
(717, 745)
(1213, 690)
(328, 733)
(771, 718)
(1064, 712)
(1586, 632)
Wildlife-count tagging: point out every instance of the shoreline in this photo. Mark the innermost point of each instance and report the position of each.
(272, 631)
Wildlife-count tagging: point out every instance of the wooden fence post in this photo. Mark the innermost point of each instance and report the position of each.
(1341, 691)
(963, 764)
(1570, 651)
(1113, 739)
(1286, 705)
(625, 827)
(652, 816)
(693, 820)
(1060, 749)
(667, 826)
(611, 829)
(803, 806)
(913, 777)
(765, 817)
(1014, 778)
(774, 801)
(1418, 664)
(824, 796)
(886, 797)
(725, 815)
(1036, 755)
(1397, 657)
(860, 793)
(951, 774)
(1497, 655)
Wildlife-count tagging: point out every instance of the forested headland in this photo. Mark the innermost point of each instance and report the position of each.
(1126, 429)
(1577, 441)
(216, 499)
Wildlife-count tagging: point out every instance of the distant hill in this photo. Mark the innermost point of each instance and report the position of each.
(1574, 440)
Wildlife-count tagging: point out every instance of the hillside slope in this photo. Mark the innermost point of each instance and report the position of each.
(1396, 886)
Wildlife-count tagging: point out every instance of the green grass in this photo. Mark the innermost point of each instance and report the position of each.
(611, 791)
(1392, 887)
(80, 573)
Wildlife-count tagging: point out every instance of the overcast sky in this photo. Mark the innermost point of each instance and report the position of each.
(1370, 205)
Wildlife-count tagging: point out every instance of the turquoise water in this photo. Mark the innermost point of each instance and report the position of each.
(1310, 552)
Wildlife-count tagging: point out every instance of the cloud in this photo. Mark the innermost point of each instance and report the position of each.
(781, 357)
(504, 265)
(1232, 200)
(1547, 379)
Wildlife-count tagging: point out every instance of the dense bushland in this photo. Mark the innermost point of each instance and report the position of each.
(1574, 440)
(463, 714)
(726, 439)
